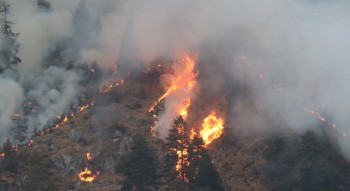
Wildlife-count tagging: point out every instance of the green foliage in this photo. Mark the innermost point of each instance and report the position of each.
(308, 162)
(207, 177)
(139, 166)
(195, 152)
(10, 161)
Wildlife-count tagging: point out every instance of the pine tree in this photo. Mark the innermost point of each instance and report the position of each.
(9, 45)
(195, 153)
(139, 166)
(187, 163)
(177, 143)
(207, 177)
(201, 173)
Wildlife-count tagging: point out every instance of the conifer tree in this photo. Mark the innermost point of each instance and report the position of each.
(187, 163)
(207, 176)
(177, 144)
(195, 153)
(139, 166)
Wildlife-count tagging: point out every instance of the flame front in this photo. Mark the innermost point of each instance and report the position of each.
(184, 81)
(87, 175)
(325, 121)
(180, 90)
(212, 128)
(111, 86)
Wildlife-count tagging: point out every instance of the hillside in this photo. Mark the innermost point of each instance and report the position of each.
(105, 130)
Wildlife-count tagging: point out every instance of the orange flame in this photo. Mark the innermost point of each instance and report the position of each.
(87, 175)
(84, 107)
(185, 80)
(183, 111)
(31, 142)
(110, 87)
(325, 121)
(212, 128)
(88, 156)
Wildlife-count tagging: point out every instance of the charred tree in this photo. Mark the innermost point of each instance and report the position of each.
(9, 46)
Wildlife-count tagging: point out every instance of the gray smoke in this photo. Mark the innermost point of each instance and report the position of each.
(271, 58)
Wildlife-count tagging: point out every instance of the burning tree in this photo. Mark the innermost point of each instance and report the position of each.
(187, 160)
(139, 166)
(177, 144)
(9, 45)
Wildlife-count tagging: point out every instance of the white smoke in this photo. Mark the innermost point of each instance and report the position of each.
(11, 95)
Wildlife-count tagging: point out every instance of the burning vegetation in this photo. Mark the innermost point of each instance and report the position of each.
(212, 128)
(198, 92)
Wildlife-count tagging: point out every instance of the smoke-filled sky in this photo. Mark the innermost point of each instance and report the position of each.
(300, 48)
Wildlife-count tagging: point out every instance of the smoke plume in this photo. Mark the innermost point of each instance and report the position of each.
(265, 60)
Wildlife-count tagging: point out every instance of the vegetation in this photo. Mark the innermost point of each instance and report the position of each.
(188, 162)
(309, 162)
(10, 161)
(139, 166)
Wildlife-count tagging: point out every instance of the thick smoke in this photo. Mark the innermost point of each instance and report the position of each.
(58, 45)
(11, 95)
(271, 58)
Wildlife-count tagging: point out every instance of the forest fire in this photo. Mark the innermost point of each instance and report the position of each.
(87, 175)
(88, 156)
(325, 121)
(184, 81)
(212, 128)
(180, 88)
(110, 87)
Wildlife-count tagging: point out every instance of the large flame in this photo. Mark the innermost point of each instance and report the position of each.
(87, 175)
(185, 80)
(180, 88)
(212, 128)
